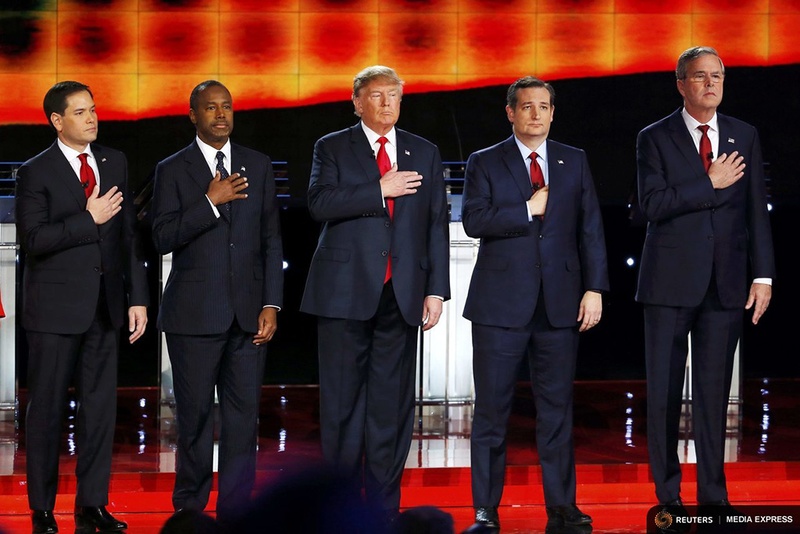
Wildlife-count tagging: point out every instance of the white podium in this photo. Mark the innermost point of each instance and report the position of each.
(8, 330)
(446, 355)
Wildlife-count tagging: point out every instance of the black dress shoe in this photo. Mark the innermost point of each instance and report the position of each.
(91, 519)
(568, 514)
(486, 521)
(44, 522)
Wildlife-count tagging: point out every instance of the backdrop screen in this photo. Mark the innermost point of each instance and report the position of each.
(142, 57)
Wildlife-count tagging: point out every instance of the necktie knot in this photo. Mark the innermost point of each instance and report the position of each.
(223, 173)
(537, 176)
(87, 177)
(706, 154)
(384, 164)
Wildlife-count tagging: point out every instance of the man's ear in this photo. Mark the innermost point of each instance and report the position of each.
(55, 120)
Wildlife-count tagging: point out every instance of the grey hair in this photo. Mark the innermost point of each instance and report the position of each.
(690, 55)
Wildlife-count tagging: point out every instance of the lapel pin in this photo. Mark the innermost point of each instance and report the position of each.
(243, 169)
(407, 152)
(103, 160)
(561, 162)
(730, 140)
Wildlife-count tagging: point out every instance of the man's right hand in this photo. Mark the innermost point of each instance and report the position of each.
(103, 208)
(726, 170)
(538, 201)
(399, 183)
(223, 191)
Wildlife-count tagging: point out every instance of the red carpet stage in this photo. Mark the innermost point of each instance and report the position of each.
(610, 442)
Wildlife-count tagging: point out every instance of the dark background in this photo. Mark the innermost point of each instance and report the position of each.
(600, 115)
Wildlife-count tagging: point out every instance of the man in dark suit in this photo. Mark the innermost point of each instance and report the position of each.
(82, 279)
(215, 210)
(705, 216)
(379, 272)
(537, 283)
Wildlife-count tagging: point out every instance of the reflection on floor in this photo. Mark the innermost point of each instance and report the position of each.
(610, 449)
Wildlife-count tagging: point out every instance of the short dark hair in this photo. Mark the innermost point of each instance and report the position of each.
(202, 86)
(55, 101)
(524, 83)
(690, 55)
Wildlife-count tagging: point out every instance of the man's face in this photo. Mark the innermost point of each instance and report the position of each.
(77, 127)
(378, 104)
(702, 88)
(533, 114)
(213, 117)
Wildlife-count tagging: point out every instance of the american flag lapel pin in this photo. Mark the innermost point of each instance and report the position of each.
(103, 160)
(407, 153)
(561, 162)
(731, 140)
(243, 169)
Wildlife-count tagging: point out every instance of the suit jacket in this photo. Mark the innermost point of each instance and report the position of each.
(225, 267)
(66, 254)
(347, 271)
(692, 227)
(564, 253)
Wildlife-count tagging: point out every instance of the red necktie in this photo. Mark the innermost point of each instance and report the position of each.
(88, 180)
(383, 167)
(705, 147)
(537, 177)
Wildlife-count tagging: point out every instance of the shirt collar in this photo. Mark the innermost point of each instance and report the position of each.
(70, 153)
(210, 153)
(373, 136)
(541, 150)
(692, 123)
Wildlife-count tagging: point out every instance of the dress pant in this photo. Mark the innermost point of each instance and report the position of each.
(231, 362)
(715, 332)
(54, 360)
(366, 376)
(497, 355)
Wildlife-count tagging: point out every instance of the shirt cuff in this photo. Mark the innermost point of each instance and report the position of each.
(213, 207)
(767, 281)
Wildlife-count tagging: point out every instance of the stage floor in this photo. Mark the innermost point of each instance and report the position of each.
(610, 450)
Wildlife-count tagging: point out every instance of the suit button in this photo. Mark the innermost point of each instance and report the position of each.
(387, 224)
(538, 265)
(97, 269)
(541, 236)
(232, 245)
(384, 253)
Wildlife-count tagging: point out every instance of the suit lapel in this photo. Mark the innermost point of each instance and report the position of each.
(405, 162)
(516, 167)
(363, 153)
(365, 156)
(108, 178)
(66, 175)
(727, 139)
(198, 171)
(237, 165)
(683, 141)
